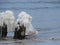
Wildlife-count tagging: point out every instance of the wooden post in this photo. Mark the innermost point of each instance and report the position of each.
(21, 32)
(15, 33)
(4, 30)
(0, 32)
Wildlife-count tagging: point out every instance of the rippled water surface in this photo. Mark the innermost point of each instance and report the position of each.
(45, 37)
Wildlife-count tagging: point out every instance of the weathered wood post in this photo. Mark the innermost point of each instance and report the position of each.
(4, 30)
(0, 32)
(21, 32)
(15, 33)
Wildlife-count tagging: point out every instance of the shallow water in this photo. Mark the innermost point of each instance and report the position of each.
(44, 37)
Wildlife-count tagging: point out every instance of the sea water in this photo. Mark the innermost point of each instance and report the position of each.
(46, 20)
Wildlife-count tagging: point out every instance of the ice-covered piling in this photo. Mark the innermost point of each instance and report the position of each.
(26, 19)
(9, 19)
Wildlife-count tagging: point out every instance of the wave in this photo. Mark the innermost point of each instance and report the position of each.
(51, 28)
(14, 8)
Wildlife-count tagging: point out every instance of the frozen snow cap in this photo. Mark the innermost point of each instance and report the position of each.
(24, 15)
(9, 14)
(21, 14)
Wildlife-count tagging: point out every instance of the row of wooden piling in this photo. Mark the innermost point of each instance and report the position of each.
(18, 33)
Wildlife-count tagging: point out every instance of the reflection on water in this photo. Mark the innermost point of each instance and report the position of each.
(44, 37)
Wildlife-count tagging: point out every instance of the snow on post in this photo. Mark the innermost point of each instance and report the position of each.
(26, 19)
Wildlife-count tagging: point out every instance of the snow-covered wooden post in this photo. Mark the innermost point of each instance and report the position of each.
(10, 19)
(26, 20)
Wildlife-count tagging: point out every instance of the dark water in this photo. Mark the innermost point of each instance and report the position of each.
(46, 18)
